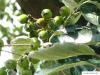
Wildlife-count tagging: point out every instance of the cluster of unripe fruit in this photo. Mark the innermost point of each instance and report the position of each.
(44, 27)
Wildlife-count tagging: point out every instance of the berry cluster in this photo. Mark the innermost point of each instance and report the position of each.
(44, 27)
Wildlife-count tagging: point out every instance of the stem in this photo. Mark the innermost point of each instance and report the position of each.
(11, 52)
(18, 45)
(51, 37)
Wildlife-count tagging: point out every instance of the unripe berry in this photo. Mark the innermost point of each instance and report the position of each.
(43, 34)
(58, 20)
(41, 22)
(23, 18)
(36, 42)
(64, 11)
(46, 13)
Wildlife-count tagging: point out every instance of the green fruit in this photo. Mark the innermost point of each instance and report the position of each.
(3, 72)
(46, 13)
(58, 20)
(23, 62)
(23, 18)
(41, 22)
(64, 11)
(43, 34)
(36, 43)
(10, 64)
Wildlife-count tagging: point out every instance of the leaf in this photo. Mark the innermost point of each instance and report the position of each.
(90, 12)
(11, 72)
(87, 36)
(73, 19)
(94, 61)
(84, 36)
(98, 28)
(61, 67)
(3, 72)
(57, 33)
(61, 51)
(2, 5)
(65, 38)
(21, 45)
(1, 44)
(72, 4)
(94, 19)
(75, 71)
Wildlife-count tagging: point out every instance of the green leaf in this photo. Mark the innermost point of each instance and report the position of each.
(61, 51)
(1, 45)
(61, 67)
(24, 71)
(90, 12)
(2, 5)
(52, 64)
(11, 72)
(23, 62)
(84, 36)
(3, 72)
(94, 19)
(21, 45)
(72, 4)
(65, 38)
(75, 71)
(10, 64)
(73, 19)
(87, 36)
(94, 61)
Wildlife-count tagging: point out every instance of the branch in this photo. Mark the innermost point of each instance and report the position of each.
(11, 52)
(18, 45)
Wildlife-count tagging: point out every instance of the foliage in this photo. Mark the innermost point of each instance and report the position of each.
(67, 44)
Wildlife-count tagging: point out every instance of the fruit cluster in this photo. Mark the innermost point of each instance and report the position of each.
(44, 27)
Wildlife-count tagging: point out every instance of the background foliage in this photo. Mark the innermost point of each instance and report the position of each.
(63, 44)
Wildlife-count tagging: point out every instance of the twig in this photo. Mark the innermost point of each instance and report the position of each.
(18, 45)
(11, 52)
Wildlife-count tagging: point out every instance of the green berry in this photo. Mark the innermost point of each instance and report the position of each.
(64, 11)
(36, 42)
(41, 22)
(43, 34)
(58, 20)
(46, 13)
(23, 18)
(10, 64)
